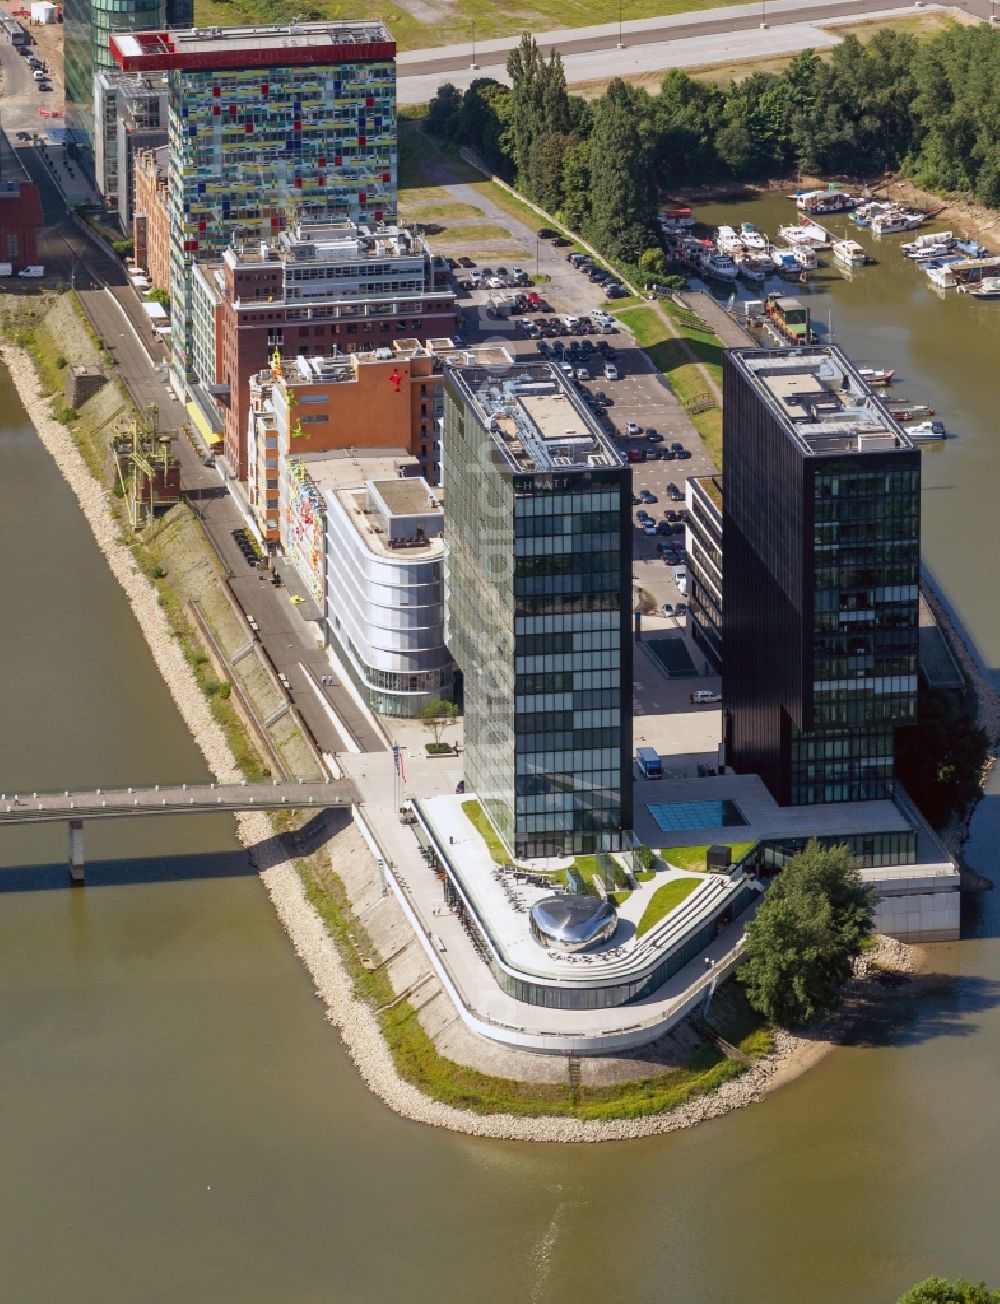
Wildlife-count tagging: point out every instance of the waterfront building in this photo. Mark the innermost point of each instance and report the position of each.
(539, 608)
(820, 563)
(266, 125)
(130, 114)
(87, 29)
(150, 218)
(315, 288)
(387, 398)
(20, 210)
(703, 544)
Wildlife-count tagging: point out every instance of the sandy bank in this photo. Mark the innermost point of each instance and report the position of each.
(355, 1021)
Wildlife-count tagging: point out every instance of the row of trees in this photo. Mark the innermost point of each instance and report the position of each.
(929, 108)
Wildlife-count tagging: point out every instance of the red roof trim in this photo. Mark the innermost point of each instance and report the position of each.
(162, 57)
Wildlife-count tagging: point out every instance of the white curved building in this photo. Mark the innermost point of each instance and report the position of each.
(385, 590)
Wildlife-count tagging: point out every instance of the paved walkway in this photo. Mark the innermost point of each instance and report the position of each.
(186, 799)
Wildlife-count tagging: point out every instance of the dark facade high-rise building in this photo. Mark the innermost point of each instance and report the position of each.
(539, 608)
(87, 28)
(820, 561)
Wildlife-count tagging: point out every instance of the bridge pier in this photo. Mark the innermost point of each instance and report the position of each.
(76, 874)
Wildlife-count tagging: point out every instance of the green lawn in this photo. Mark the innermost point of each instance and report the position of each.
(664, 899)
(480, 821)
(696, 858)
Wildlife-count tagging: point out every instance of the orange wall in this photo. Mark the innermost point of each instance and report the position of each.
(368, 412)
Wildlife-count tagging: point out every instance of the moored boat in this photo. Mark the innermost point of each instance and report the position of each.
(896, 221)
(752, 239)
(848, 253)
(719, 266)
(989, 288)
(876, 375)
(925, 431)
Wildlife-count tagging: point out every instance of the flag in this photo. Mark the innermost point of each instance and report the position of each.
(397, 760)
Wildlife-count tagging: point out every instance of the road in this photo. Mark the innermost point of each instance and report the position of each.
(685, 40)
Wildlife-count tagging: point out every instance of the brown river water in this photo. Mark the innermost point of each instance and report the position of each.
(178, 1122)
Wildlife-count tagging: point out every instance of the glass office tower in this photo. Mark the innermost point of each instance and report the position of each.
(539, 607)
(821, 561)
(87, 28)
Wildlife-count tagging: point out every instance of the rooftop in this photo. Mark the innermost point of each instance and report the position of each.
(333, 242)
(535, 418)
(252, 47)
(710, 486)
(821, 401)
(378, 511)
(409, 497)
(347, 468)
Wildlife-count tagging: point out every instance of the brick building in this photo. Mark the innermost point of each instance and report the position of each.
(151, 220)
(319, 288)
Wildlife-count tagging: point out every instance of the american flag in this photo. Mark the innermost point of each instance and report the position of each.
(397, 760)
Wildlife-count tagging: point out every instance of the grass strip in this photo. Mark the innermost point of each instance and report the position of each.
(696, 858)
(664, 899)
(480, 821)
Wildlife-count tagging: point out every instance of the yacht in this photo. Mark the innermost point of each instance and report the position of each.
(929, 240)
(784, 260)
(876, 375)
(848, 253)
(926, 430)
(727, 240)
(805, 257)
(718, 265)
(751, 271)
(752, 238)
(989, 288)
(895, 221)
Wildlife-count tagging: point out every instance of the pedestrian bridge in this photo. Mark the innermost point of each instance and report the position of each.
(183, 799)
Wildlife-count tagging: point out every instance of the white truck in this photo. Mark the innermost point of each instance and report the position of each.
(32, 273)
(6, 269)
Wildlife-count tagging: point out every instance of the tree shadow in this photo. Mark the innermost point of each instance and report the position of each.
(906, 1011)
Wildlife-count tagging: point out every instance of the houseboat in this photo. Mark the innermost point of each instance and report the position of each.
(848, 253)
(790, 317)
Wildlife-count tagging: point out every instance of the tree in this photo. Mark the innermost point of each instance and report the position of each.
(444, 113)
(808, 929)
(622, 188)
(935, 1290)
(435, 715)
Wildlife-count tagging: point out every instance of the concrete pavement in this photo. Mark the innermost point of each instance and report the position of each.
(724, 35)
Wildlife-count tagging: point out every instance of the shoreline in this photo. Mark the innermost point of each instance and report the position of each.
(355, 1021)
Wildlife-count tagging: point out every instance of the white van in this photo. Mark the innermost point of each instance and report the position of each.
(39, 75)
(681, 580)
(31, 272)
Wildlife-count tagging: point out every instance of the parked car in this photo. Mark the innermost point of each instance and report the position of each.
(654, 436)
(632, 429)
(561, 242)
(680, 609)
(648, 496)
(676, 447)
(636, 455)
(582, 373)
(545, 233)
(649, 528)
(667, 609)
(602, 398)
(674, 494)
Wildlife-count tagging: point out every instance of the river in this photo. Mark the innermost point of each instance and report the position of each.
(178, 1122)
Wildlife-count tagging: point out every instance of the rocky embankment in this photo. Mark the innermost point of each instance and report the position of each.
(354, 1020)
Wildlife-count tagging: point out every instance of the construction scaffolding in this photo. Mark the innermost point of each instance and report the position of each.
(148, 474)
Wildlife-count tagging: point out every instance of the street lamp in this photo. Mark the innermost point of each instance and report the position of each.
(621, 43)
(763, 14)
(538, 240)
(473, 65)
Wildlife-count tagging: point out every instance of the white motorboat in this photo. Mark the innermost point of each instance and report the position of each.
(751, 271)
(727, 240)
(806, 232)
(719, 265)
(752, 239)
(989, 288)
(925, 431)
(929, 240)
(805, 256)
(784, 260)
(899, 219)
(848, 253)
(876, 375)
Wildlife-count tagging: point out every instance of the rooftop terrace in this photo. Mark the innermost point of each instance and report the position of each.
(821, 401)
(252, 47)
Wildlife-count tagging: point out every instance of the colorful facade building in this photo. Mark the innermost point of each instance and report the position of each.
(387, 398)
(316, 288)
(265, 125)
